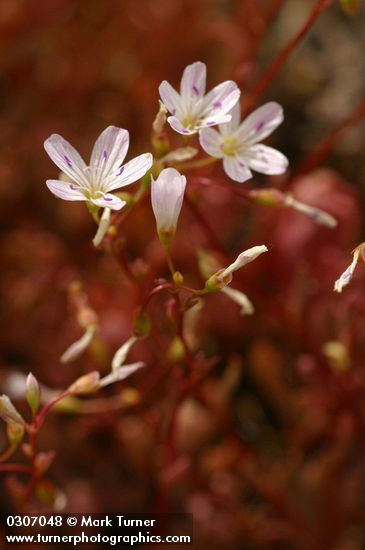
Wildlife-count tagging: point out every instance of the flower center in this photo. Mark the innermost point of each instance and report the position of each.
(230, 146)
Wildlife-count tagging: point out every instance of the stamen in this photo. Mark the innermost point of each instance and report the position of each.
(121, 170)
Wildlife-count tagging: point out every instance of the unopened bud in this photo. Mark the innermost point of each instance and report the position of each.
(33, 393)
(43, 461)
(176, 351)
(178, 278)
(89, 383)
(15, 433)
(8, 412)
(347, 275)
(350, 7)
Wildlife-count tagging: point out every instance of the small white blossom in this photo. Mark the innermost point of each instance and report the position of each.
(348, 273)
(167, 194)
(93, 183)
(223, 277)
(238, 143)
(243, 259)
(120, 374)
(192, 109)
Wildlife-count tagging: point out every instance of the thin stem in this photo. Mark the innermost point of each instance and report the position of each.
(279, 61)
(169, 260)
(16, 468)
(200, 163)
(8, 453)
(321, 152)
(42, 414)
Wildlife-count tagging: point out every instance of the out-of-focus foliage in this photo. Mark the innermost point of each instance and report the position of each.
(268, 446)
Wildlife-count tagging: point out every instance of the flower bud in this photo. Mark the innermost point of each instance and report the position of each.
(346, 276)
(167, 193)
(350, 7)
(15, 433)
(43, 461)
(8, 412)
(33, 393)
(178, 278)
(89, 383)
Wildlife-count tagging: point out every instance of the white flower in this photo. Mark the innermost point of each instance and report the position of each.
(238, 144)
(243, 259)
(93, 183)
(192, 109)
(119, 370)
(346, 276)
(223, 277)
(167, 193)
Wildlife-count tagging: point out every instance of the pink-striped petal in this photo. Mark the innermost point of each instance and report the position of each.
(193, 81)
(267, 160)
(211, 141)
(237, 169)
(109, 201)
(170, 97)
(109, 151)
(67, 159)
(130, 172)
(65, 190)
(177, 125)
(221, 99)
(261, 123)
(214, 119)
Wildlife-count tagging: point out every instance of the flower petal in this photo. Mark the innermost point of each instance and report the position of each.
(171, 99)
(267, 160)
(67, 159)
(177, 125)
(120, 374)
(237, 169)
(109, 201)
(78, 347)
(130, 172)
(240, 299)
(65, 190)
(229, 128)
(261, 123)
(193, 81)
(109, 152)
(210, 140)
(221, 99)
(213, 119)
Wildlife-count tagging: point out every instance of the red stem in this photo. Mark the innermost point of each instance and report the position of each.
(15, 468)
(279, 61)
